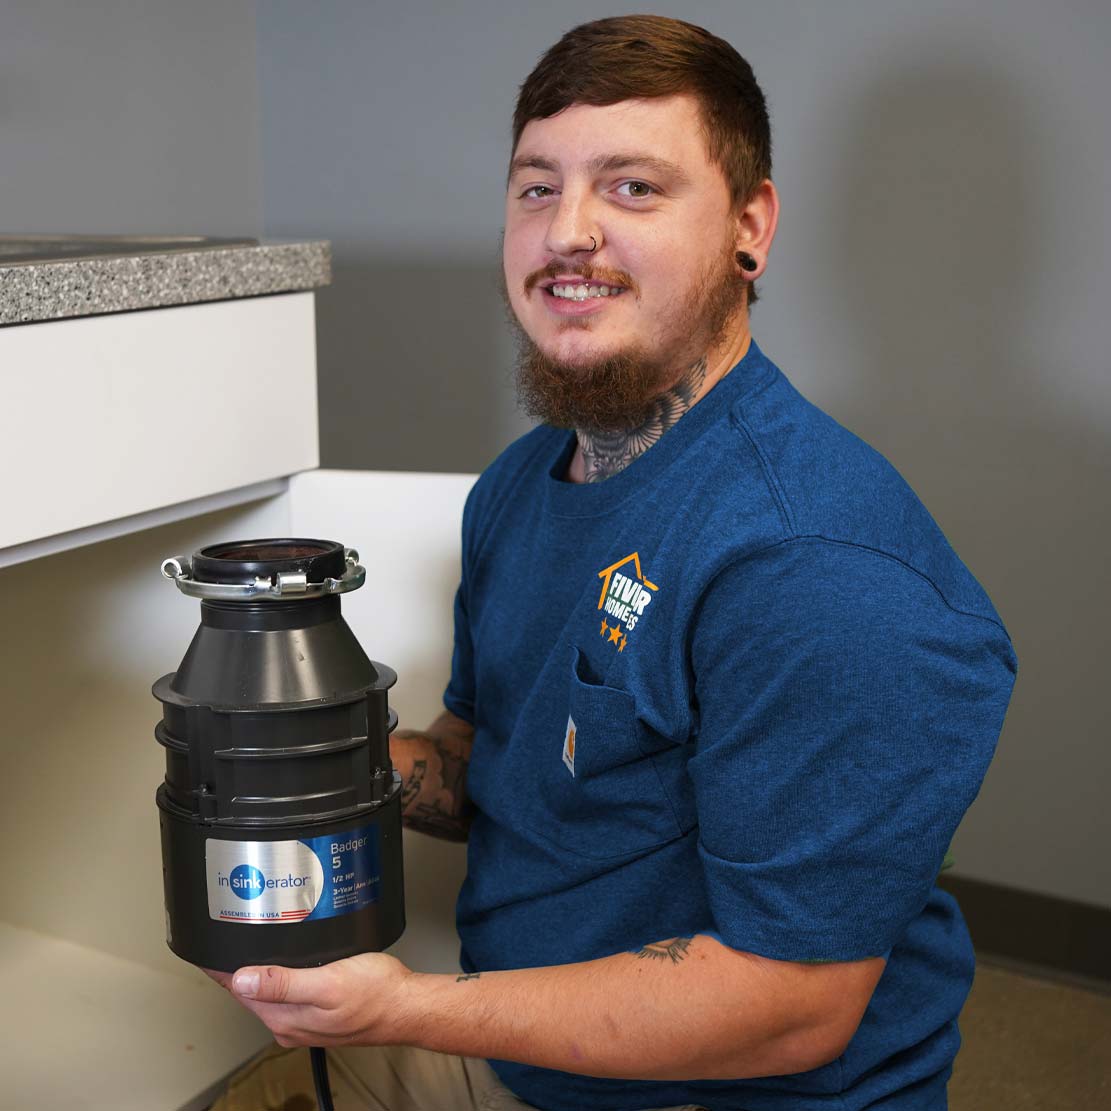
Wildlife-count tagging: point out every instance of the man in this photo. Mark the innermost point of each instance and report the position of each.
(710, 760)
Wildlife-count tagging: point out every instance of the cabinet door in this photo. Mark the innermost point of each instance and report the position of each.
(406, 528)
(105, 417)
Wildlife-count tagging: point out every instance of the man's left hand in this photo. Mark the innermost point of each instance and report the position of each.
(356, 1001)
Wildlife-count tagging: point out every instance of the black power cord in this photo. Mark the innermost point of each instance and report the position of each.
(320, 1078)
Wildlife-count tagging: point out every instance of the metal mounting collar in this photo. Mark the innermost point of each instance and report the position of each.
(282, 584)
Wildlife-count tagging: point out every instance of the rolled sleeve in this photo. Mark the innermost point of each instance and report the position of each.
(460, 693)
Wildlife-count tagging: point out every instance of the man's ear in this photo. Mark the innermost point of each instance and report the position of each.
(754, 228)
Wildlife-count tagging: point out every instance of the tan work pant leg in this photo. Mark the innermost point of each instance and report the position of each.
(387, 1078)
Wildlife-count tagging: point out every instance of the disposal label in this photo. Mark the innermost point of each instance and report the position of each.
(263, 882)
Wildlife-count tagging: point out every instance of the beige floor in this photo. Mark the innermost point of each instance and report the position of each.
(1032, 1044)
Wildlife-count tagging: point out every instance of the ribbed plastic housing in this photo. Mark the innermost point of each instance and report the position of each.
(276, 733)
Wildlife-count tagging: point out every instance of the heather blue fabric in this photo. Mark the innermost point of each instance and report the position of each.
(776, 751)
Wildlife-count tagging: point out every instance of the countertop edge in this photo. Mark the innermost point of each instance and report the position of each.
(58, 289)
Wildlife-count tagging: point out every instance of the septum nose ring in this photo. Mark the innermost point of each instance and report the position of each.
(593, 244)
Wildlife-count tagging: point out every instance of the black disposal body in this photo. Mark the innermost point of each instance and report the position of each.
(280, 811)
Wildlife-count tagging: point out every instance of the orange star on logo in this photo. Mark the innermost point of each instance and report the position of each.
(605, 628)
(615, 633)
(621, 646)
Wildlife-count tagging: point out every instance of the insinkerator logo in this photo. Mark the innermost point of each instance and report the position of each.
(248, 882)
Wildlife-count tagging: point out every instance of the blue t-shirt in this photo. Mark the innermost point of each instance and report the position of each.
(742, 688)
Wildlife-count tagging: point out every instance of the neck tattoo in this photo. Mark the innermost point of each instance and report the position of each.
(607, 452)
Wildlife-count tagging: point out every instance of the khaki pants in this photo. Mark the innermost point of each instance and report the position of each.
(388, 1078)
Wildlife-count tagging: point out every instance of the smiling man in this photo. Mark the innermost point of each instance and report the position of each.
(708, 773)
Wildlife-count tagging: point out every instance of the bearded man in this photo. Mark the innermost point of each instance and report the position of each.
(709, 773)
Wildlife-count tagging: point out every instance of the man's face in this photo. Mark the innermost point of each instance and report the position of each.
(638, 311)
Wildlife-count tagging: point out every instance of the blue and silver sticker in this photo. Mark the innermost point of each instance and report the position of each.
(267, 882)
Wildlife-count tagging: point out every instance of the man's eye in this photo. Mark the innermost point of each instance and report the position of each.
(635, 189)
(538, 192)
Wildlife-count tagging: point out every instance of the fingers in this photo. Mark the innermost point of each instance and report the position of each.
(301, 1024)
(334, 1004)
(291, 1023)
(273, 984)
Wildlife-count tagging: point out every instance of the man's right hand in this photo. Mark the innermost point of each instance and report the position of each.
(433, 768)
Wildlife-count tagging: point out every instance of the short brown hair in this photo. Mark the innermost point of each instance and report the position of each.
(645, 56)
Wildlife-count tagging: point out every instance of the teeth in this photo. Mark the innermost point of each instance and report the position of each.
(582, 291)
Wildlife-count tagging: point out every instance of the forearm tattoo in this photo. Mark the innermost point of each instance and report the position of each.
(606, 453)
(674, 950)
(433, 797)
(468, 976)
(431, 818)
(413, 783)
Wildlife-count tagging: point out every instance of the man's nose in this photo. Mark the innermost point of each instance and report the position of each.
(574, 226)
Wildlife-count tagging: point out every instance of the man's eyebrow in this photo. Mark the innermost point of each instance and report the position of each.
(634, 159)
(532, 162)
(605, 163)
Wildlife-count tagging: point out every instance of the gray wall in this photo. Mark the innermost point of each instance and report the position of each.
(385, 129)
(938, 284)
(129, 116)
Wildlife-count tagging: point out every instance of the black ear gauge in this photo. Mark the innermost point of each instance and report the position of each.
(747, 261)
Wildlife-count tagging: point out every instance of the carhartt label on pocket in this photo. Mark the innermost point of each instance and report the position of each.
(569, 746)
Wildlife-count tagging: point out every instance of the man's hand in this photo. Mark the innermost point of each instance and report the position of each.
(350, 1002)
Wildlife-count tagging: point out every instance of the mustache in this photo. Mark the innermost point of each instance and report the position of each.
(584, 270)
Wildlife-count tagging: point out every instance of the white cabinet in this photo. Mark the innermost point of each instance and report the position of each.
(98, 1013)
(104, 418)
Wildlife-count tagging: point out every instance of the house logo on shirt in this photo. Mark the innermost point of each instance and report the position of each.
(626, 594)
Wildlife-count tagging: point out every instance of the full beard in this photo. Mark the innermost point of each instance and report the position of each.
(621, 391)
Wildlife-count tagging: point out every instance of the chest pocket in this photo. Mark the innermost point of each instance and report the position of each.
(614, 803)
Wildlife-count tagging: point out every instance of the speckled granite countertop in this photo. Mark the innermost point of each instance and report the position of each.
(48, 278)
